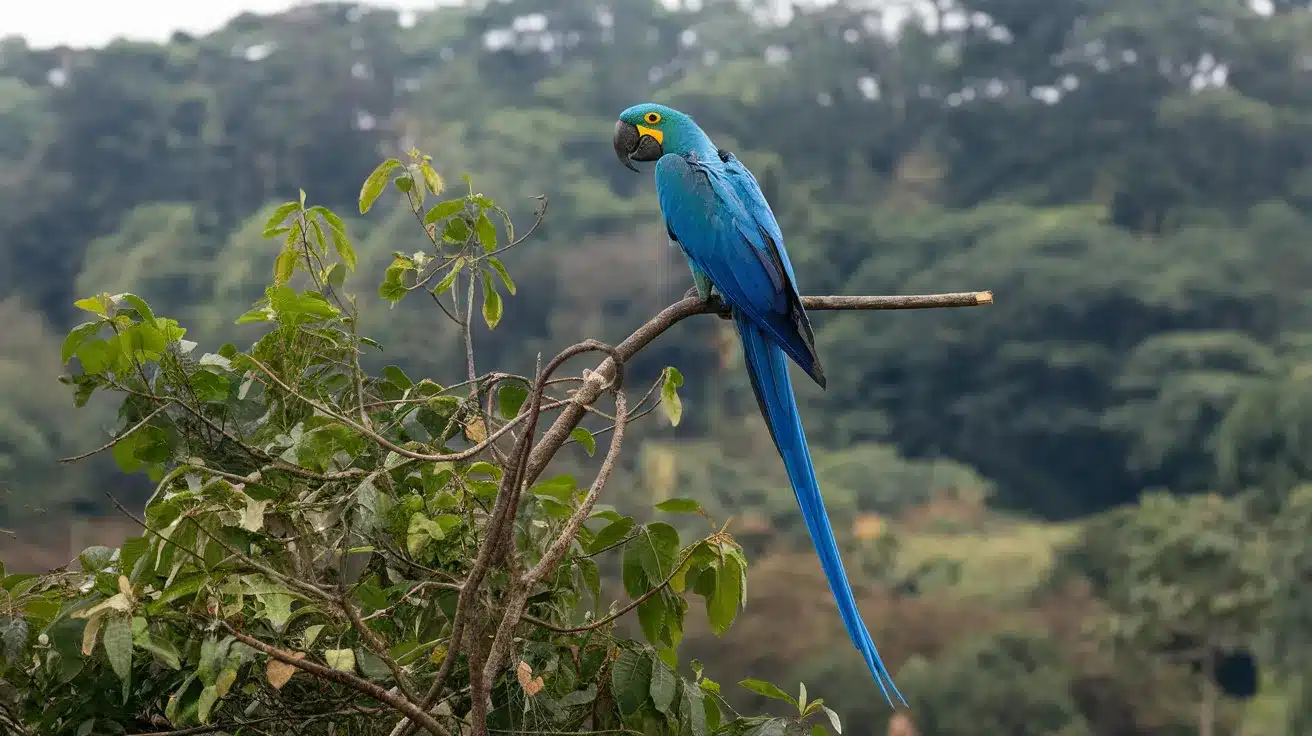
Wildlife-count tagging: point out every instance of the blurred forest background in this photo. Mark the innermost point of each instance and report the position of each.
(1079, 511)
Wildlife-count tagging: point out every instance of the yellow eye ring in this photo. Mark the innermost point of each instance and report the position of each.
(652, 118)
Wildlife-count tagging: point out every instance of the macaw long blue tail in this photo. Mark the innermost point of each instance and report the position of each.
(767, 365)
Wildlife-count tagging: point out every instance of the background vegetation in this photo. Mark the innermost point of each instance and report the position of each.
(1132, 180)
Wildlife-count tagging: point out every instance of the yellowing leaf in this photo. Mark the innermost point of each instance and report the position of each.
(340, 659)
(376, 183)
(252, 519)
(89, 634)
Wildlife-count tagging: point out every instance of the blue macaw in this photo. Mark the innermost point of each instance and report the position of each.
(715, 212)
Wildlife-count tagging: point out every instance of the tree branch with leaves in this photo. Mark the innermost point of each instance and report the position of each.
(329, 550)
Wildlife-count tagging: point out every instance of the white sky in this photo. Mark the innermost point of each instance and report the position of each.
(96, 22)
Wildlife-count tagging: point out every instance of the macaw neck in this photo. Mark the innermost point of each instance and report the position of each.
(694, 141)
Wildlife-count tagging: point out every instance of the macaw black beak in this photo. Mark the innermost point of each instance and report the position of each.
(630, 145)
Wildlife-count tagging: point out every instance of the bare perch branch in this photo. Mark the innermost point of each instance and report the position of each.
(557, 434)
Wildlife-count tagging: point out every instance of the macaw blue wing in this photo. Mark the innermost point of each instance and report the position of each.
(717, 214)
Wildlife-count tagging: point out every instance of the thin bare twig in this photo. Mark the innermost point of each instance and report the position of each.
(117, 438)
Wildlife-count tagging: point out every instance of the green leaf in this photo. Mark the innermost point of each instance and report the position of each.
(208, 387)
(443, 210)
(761, 687)
(679, 506)
(723, 604)
(671, 405)
(635, 578)
(98, 305)
(398, 377)
(692, 712)
(321, 247)
(432, 179)
(591, 573)
(406, 185)
(376, 183)
(329, 217)
(500, 268)
(630, 679)
(284, 266)
(651, 616)
(450, 277)
(456, 231)
(584, 438)
(76, 337)
(560, 487)
(611, 534)
(344, 249)
(664, 686)
(117, 640)
(138, 304)
(658, 544)
(491, 304)
(336, 276)
(276, 219)
(487, 232)
(208, 697)
(510, 398)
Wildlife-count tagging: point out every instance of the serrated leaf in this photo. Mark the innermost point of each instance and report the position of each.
(491, 304)
(584, 438)
(671, 404)
(375, 184)
(679, 506)
(500, 268)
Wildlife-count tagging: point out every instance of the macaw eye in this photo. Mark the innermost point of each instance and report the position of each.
(652, 118)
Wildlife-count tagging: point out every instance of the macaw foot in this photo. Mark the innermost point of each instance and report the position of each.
(713, 303)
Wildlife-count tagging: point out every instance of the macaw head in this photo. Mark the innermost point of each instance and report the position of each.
(648, 131)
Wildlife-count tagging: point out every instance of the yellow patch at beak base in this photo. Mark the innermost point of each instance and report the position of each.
(656, 134)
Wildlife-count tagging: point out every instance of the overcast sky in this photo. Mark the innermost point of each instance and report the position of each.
(96, 22)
